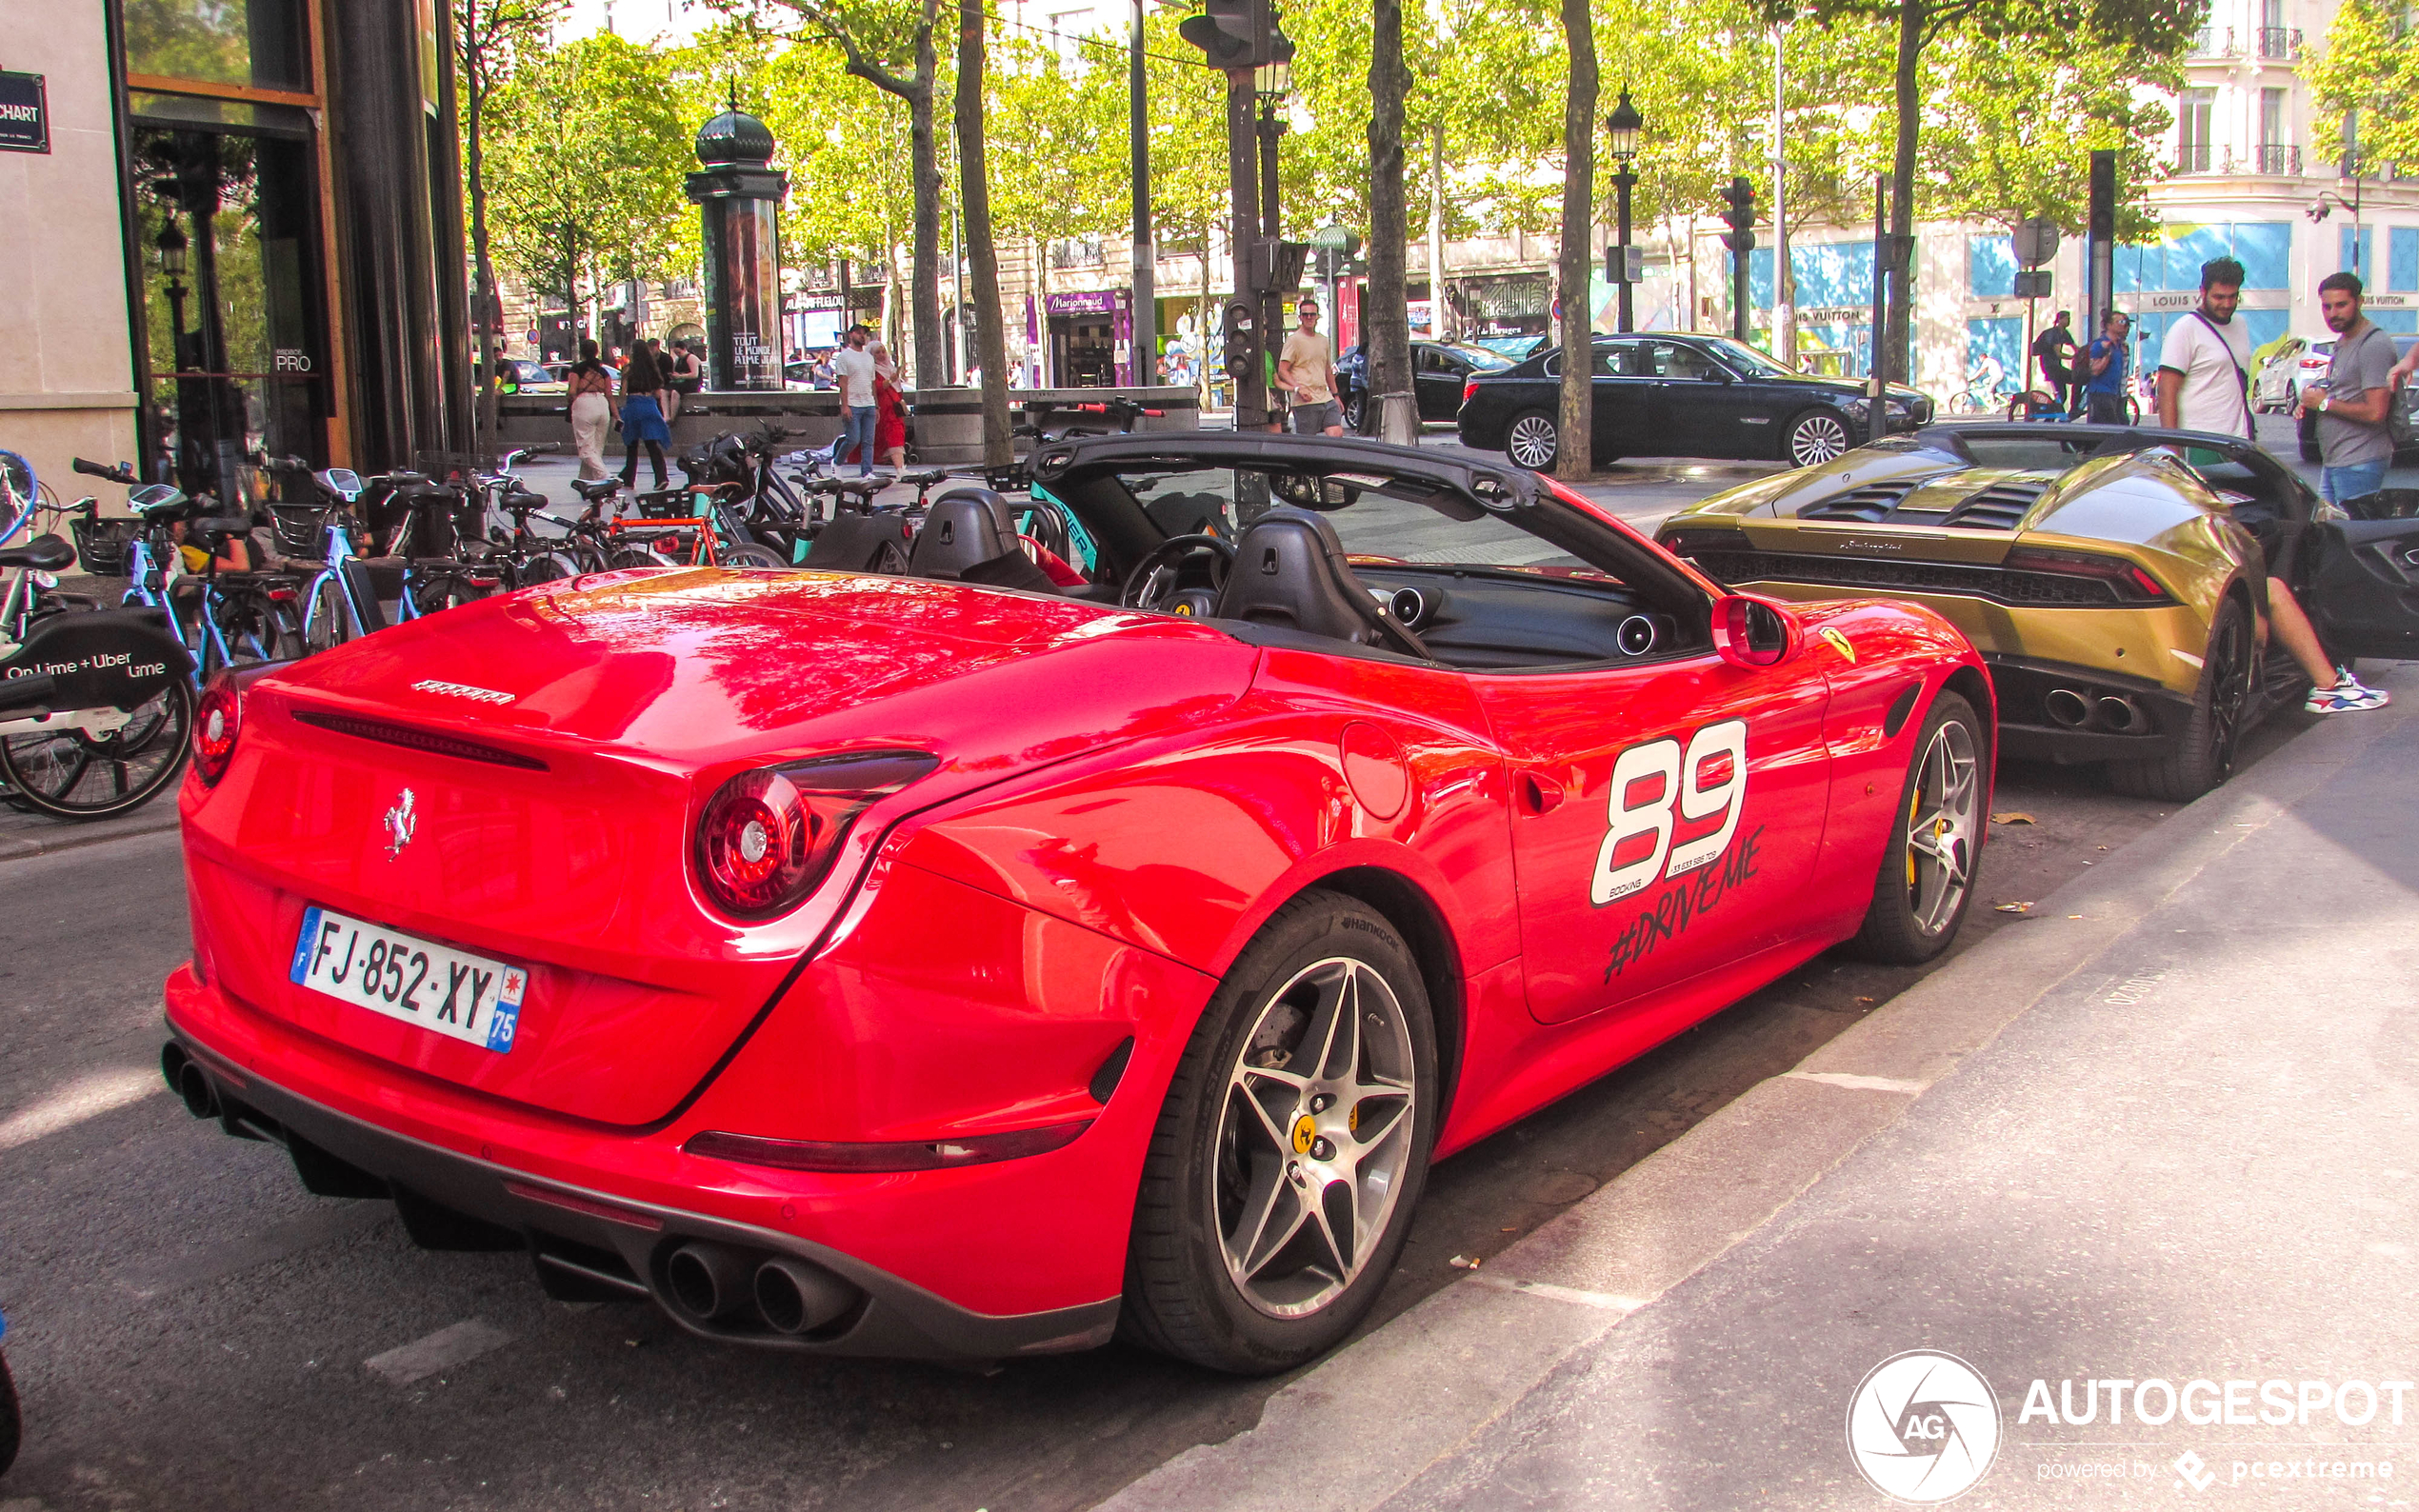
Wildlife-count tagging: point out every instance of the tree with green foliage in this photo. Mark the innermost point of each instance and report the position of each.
(2159, 28)
(974, 195)
(889, 45)
(489, 38)
(2367, 73)
(1574, 455)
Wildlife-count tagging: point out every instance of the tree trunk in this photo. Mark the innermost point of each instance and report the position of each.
(1897, 355)
(1441, 324)
(974, 195)
(1386, 322)
(490, 415)
(932, 358)
(1574, 458)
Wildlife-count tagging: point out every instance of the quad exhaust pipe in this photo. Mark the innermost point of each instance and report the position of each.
(2111, 712)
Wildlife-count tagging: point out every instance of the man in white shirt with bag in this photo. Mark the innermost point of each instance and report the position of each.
(2205, 385)
(2204, 362)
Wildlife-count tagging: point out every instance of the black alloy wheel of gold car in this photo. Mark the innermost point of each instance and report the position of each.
(2204, 758)
(1291, 1148)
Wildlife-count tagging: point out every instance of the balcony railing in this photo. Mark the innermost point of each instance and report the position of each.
(2212, 42)
(2279, 42)
(2273, 157)
(2193, 157)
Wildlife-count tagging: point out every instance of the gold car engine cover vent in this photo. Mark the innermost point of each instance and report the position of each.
(2000, 507)
(1870, 504)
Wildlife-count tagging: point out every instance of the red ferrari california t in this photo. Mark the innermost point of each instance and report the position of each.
(938, 963)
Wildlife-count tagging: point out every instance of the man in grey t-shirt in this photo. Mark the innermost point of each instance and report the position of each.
(2354, 446)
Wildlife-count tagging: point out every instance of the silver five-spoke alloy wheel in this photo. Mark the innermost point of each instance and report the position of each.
(1532, 441)
(1316, 1137)
(1817, 438)
(1942, 805)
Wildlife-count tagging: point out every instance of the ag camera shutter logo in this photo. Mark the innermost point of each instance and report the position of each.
(1923, 1427)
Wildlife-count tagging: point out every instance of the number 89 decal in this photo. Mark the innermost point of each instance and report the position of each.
(1648, 781)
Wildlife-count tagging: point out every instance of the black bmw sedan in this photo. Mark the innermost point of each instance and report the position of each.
(1679, 394)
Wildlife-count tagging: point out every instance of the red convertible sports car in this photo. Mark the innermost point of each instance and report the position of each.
(900, 965)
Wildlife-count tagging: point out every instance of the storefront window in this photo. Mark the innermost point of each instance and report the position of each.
(235, 333)
(254, 42)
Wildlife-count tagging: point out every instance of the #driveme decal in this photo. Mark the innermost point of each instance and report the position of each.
(1655, 785)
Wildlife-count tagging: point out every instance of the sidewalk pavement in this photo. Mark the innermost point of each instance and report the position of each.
(23, 834)
(2166, 1133)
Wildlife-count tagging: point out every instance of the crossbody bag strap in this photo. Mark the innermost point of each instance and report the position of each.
(2250, 426)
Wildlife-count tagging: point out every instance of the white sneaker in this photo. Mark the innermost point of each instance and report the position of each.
(2347, 697)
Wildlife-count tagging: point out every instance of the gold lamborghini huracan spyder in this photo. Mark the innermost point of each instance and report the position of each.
(2112, 576)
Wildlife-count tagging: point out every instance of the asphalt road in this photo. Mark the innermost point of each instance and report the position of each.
(189, 1328)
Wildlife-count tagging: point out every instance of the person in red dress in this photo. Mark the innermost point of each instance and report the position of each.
(889, 424)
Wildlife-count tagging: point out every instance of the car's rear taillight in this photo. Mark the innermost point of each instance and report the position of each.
(2128, 581)
(768, 836)
(1469, 389)
(216, 723)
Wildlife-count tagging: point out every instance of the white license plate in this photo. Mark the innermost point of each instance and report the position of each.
(446, 991)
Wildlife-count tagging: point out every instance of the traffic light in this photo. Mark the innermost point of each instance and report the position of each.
(1740, 217)
(1240, 324)
(1238, 34)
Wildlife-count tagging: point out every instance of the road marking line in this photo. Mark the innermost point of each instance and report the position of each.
(1604, 1301)
(88, 1097)
(1860, 1083)
(454, 1344)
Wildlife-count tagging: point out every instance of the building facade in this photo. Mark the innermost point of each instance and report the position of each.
(250, 240)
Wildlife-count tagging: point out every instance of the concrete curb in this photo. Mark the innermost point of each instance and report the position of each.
(1410, 1393)
(45, 836)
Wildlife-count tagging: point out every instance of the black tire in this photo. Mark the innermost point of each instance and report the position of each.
(1921, 896)
(11, 1422)
(2205, 757)
(637, 556)
(445, 590)
(326, 618)
(1816, 437)
(256, 628)
(68, 774)
(546, 566)
(1356, 408)
(753, 556)
(1533, 440)
(1215, 1157)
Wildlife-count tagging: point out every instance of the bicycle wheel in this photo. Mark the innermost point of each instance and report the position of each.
(445, 590)
(546, 566)
(327, 618)
(255, 627)
(753, 556)
(638, 556)
(73, 775)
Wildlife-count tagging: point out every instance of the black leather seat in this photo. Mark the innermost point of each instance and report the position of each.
(1289, 570)
(860, 543)
(962, 528)
(594, 489)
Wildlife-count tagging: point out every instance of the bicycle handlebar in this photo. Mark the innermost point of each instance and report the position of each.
(120, 474)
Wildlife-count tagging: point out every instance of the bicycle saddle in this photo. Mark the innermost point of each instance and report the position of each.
(924, 480)
(520, 502)
(594, 489)
(219, 525)
(44, 553)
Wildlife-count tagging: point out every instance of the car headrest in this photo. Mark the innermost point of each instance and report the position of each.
(860, 543)
(1290, 569)
(959, 532)
(1002, 512)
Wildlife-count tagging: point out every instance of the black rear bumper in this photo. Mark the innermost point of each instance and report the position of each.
(2028, 732)
(595, 1247)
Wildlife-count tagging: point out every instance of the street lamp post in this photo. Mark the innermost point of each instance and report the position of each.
(1623, 126)
(171, 245)
(1270, 83)
(2323, 206)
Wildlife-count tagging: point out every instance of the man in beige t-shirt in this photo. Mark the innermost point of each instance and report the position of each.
(1305, 370)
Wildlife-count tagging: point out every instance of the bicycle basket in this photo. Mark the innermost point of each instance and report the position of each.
(669, 504)
(102, 546)
(297, 529)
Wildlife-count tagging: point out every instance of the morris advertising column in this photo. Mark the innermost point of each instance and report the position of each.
(740, 192)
